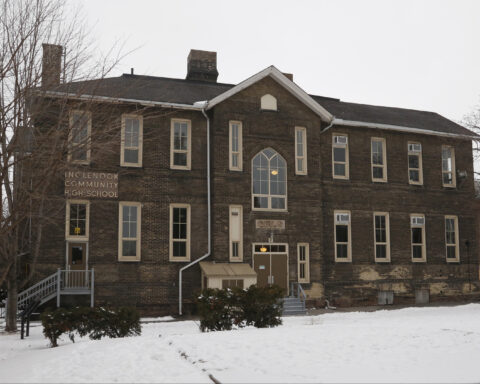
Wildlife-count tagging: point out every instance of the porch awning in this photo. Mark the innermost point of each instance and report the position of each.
(211, 269)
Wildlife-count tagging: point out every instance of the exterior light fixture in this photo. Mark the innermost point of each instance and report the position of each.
(263, 249)
(274, 172)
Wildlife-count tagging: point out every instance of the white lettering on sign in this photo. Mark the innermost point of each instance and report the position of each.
(91, 184)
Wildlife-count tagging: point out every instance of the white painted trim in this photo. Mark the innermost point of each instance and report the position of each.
(352, 123)
(387, 259)
(306, 262)
(172, 258)
(188, 151)
(457, 251)
(198, 106)
(239, 209)
(138, 238)
(304, 157)
(424, 238)
(281, 79)
(123, 163)
(73, 238)
(239, 167)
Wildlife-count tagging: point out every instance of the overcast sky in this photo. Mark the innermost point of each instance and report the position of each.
(411, 54)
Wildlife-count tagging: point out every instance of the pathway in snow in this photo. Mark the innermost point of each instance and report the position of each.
(434, 344)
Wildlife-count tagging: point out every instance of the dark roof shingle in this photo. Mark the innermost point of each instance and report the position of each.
(162, 89)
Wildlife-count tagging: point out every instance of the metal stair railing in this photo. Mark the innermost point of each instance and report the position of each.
(41, 290)
(299, 292)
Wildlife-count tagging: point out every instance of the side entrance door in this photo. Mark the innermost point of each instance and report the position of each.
(77, 265)
(270, 261)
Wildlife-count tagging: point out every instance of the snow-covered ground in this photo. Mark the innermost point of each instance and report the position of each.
(434, 344)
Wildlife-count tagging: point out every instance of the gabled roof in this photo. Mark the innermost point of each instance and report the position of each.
(180, 93)
(281, 79)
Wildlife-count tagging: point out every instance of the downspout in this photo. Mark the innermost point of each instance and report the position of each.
(209, 218)
(330, 126)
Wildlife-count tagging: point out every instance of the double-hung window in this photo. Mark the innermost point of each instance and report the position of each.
(451, 238)
(180, 144)
(342, 236)
(131, 141)
(235, 146)
(379, 159)
(417, 225)
(415, 172)
(300, 151)
(236, 233)
(77, 220)
(79, 137)
(340, 166)
(303, 255)
(448, 166)
(381, 226)
(129, 223)
(179, 232)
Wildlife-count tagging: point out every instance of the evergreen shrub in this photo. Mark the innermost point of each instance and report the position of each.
(95, 322)
(224, 309)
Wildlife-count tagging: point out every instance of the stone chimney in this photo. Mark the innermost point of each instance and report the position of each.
(289, 76)
(202, 65)
(51, 65)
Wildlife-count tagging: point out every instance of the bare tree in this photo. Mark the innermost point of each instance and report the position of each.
(35, 134)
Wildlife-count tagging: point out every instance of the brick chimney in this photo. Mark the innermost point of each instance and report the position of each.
(51, 64)
(202, 65)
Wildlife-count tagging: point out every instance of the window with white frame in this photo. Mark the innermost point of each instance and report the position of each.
(180, 144)
(80, 136)
(417, 225)
(340, 166)
(269, 181)
(268, 102)
(342, 236)
(129, 236)
(235, 146)
(131, 141)
(379, 159)
(448, 166)
(415, 171)
(236, 233)
(179, 232)
(381, 224)
(300, 151)
(451, 239)
(77, 219)
(303, 262)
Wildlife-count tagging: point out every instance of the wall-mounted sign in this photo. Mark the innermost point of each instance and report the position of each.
(270, 224)
(79, 184)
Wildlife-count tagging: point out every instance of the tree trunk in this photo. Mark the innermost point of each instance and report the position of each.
(12, 290)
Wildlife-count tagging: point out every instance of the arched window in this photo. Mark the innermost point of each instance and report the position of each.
(269, 181)
(268, 102)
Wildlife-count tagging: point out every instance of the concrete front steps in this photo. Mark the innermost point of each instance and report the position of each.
(293, 306)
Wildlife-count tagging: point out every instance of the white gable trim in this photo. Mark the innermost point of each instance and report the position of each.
(352, 123)
(281, 79)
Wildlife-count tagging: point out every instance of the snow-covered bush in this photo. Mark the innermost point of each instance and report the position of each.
(224, 309)
(219, 309)
(96, 322)
(262, 306)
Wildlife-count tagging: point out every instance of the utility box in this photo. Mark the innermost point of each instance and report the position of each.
(385, 297)
(422, 296)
